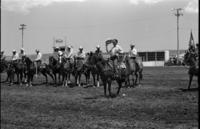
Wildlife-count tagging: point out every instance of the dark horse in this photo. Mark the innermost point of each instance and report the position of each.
(31, 70)
(108, 74)
(66, 69)
(90, 65)
(8, 67)
(78, 70)
(134, 69)
(19, 70)
(193, 63)
(55, 66)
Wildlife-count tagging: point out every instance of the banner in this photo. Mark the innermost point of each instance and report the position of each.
(191, 41)
(59, 41)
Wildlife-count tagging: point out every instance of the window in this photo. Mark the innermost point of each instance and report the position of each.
(151, 56)
(160, 56)
(143, 56)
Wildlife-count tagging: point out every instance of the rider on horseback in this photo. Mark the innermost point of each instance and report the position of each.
(115, 52)
(15, 56)
(98, 50)
(81, 54)
(38, 60)
(133, 54)
(69, 53)
(22, 53)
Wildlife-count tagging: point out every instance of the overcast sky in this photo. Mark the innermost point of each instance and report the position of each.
(150, 24)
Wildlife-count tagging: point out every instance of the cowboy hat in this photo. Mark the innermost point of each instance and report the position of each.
(80, 48)
(132, 44)
(22, 49)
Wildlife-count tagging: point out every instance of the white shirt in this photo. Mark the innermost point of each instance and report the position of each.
(69, 54)
(133, 52)
(22, 54)
(81, 54)
(116, 50)
(15, 56)
(39, 56)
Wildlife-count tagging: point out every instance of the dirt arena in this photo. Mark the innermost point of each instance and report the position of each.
(161, 102)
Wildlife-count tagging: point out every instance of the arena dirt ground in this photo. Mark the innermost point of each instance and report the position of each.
(161, 102)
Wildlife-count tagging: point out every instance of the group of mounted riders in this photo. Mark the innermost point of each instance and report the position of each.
(117, 67)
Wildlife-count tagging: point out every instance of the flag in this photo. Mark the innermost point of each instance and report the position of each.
(191, 41)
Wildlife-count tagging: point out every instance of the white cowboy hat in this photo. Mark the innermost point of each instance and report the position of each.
(132, 44)
(22, 49)
(97, 46)
(14, 50)
(37, 50)
(56, 47)
(80, 48)
(69, 46)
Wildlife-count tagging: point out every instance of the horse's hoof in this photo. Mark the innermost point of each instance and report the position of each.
(26, 85)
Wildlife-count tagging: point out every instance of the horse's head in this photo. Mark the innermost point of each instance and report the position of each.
(189, 58)
(26, 60)
(52, 60)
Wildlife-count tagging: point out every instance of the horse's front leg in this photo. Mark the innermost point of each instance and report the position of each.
(98, 83)
(109, 87)
(31, 80)
(190, 81)
(21, 78)
(94, 79)
(18, 78)
(55, 77)
(136, 78)
(79, 80)
(104, 85)
(119, 87)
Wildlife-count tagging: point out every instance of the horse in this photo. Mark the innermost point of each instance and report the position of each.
(55, 66)
(193, 63)
(66, 69)
(108, 74)
(78, 69)
(90, 65)
(19, 70)
(31, 70)
(134, 69)
(8, 67)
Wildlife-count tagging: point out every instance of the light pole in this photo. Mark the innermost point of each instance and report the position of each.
(177, 14)
(22, 28)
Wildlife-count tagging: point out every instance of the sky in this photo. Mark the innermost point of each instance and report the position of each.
(149, 24)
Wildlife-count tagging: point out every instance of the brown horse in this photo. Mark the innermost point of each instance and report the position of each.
(108, 74)
(134, 69)
(44, 69)
(193, 63)
(90, 65)
(78, 69)
(66, 69)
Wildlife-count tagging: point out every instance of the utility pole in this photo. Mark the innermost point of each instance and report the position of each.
(22, 28)
(177, 14)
